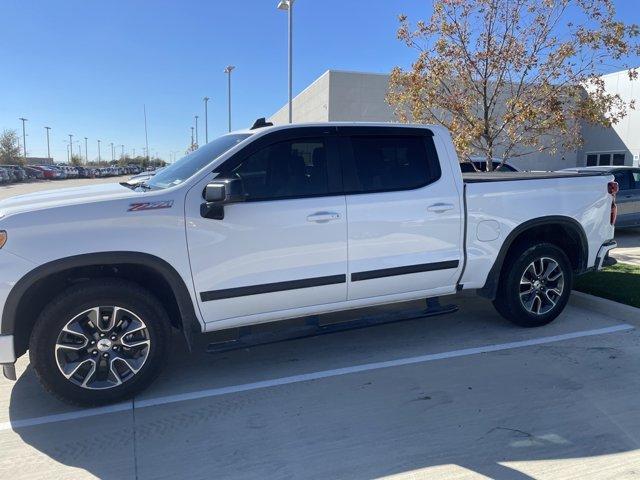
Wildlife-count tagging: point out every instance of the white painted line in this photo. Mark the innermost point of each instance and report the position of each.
(215, 392)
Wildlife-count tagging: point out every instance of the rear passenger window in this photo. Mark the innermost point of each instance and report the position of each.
(388, 163)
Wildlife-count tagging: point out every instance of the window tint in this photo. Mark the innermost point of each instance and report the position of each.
(387, 163)
(294, 168)
(624, 180)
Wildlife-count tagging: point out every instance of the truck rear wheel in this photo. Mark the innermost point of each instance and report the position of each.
(535, 285)
(100, 342)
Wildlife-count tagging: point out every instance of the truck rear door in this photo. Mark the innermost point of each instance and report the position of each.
(404, 213)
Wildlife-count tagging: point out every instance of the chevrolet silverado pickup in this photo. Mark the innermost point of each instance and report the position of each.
(274, 223)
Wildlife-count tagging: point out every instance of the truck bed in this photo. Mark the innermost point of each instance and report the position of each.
(483, 177)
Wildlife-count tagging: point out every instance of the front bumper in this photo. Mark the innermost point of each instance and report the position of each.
(603, 253)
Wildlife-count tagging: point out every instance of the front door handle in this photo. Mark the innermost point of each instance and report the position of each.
(440, 207)
(323, 217)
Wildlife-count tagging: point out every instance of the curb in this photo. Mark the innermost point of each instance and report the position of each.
(606, 307)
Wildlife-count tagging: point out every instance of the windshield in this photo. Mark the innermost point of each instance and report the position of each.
(178, 172)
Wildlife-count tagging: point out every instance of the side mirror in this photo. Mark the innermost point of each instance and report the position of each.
(218, 193)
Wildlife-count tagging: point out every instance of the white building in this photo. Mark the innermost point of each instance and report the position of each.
(361, 97)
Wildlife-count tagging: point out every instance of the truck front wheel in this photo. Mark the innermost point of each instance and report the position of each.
(99, 342)
(535, 285)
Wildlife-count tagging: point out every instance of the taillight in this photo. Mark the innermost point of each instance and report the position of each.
(613, 188)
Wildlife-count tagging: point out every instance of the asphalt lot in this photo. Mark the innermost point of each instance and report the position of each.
(463, 396)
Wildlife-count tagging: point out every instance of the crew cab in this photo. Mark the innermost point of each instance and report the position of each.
(281, 222)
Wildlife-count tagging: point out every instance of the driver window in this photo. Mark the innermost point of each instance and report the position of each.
(295, 168)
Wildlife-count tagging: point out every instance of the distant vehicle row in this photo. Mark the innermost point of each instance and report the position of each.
(18, 173)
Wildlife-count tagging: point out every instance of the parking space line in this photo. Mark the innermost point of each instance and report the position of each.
(215, 392)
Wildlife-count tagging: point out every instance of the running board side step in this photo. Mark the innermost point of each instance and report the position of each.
(313, 328)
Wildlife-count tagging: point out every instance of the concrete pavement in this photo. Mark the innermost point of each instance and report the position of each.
(628, 250)
(539, 406)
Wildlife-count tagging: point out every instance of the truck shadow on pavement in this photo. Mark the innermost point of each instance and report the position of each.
(492, 414)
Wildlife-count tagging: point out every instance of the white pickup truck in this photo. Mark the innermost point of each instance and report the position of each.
(274, 223)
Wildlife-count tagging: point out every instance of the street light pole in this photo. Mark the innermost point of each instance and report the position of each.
(24, 139)
(70, 147)
(121, 151)
(228, 71)
(146, 135)
(86, 151)
(206, 120)
(113, 155)
(196, 117)
(191, 137)
(288, 6)
(99, 159)
(48, 148)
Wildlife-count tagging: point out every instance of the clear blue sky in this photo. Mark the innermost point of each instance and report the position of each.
(87, 67)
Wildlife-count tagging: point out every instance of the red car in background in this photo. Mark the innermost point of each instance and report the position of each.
(49, 173)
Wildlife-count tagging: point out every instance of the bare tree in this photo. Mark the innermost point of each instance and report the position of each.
(511, 77)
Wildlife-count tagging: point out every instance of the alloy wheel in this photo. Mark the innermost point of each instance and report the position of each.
(541, 285)
(102, 347)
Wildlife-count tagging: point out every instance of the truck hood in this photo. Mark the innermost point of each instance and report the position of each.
(65, 196)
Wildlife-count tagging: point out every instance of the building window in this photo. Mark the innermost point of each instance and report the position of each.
(609, 158)
(618, 158)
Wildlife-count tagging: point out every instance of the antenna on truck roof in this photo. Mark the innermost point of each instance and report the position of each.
(260, 123)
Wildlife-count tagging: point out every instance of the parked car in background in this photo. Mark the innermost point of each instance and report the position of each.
(18, 172)
(5, 177)
(49, 172)
(86, 172)
(34, 173)
(628, 198)
(481, 166)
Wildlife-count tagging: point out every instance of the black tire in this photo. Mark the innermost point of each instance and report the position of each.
(509, 302)
(85, 296)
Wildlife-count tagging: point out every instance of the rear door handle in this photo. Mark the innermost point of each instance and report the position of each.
(323, 217)
(440, 207)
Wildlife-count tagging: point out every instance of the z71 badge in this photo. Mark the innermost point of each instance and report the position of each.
(138, 207)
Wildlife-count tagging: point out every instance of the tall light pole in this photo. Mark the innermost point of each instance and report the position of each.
(191, 137)
(86, 151)
(196, 117)
(24, 139)
(228, 71)
(121, 151)
(99, 159)
(146, 135)
(70, 147)
(48, 148)
(113, 155)
(206, 120)
(287, 5)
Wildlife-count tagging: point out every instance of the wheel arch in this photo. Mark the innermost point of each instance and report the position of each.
(569, 233)
(43, 283)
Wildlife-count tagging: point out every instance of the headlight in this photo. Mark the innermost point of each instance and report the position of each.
(3, 238)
